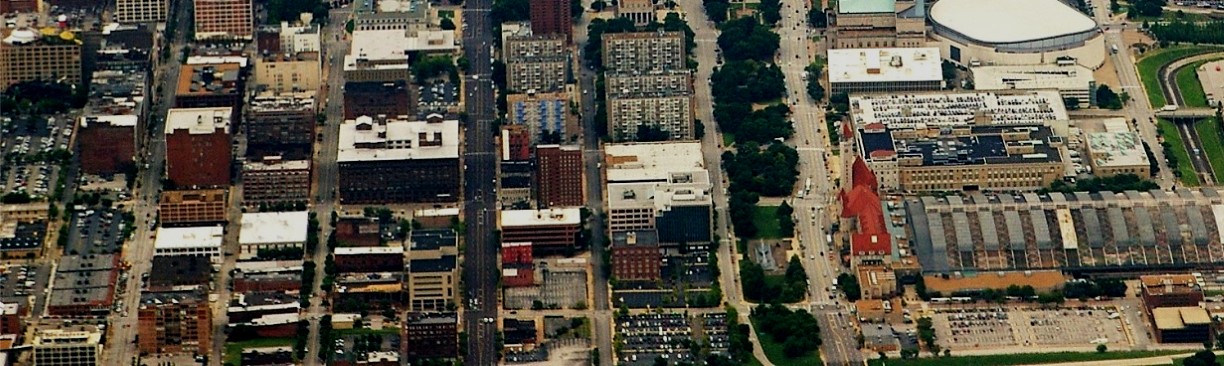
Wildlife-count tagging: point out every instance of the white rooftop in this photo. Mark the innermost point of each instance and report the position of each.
(925, 110)
(198, 120)
(1008, 21)
(213, 60)
(545, 217)
(1117, 146)
(123, 120)
(274, 227)
(1031, 77)
(189, 237)
(364, 139)
(431, 40)
(276, 165)
(884, 64)
(394, 44)
(652, 161)
(368, 250)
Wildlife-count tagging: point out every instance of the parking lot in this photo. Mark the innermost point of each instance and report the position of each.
(360, 347)
(996, 327)
(20, 282)
(562, 287)
(649, 336)
(27, 148)
(96, 231)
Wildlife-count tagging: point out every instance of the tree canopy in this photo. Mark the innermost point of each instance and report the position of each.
(770, 172)
(797, 331)
(716, 10)
(1189, 32)
(746, 39)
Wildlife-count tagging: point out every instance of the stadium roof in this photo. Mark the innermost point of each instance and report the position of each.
(1010, 21)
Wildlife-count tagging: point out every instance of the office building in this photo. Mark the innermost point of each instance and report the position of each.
(224, 19)
(23, 227)
(1185, 324)
(385, 160)
(107, 143)
(516, 184)
(539, 63)
(192, 207)
(179, 273)
(300, 36)
(174, 323)
(272, 232)
(210, 85)
(558, 176)
(201, 241)
(636, 256)
(432, 269)
(879, 23)
(662, 187)
(375, 98)
(546, 115)
(988, 232)
(268, 276)
(27, 54)
(641, 12)
(553, 230)
(198, 147)
(1117, 150)
(369, 259)
(958, 109)
(662, 101)
(289, 72)
(358, 231)
(430, 335)
(873, 70)
(83, 285)
(552, 17)
(642, 52)
(391, 14)
(140, 11)
(273, 181)
(124, 47)
(1007, 157)
(1170, 290)
(76, 346)
(281, 124)
(1074, 83)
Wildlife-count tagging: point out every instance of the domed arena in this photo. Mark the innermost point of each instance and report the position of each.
(1016, 32)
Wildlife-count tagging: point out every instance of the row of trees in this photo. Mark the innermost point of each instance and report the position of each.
(1115, 183)
(1145, 8)
(797, 331)
(1189, 32)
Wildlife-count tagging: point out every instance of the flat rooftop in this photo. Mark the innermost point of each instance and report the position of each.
(205, 79)
(866, 6)
(269, 101)
(180, 270)
(189, 237)
(368, 139)
(445, 263)
(427, 239)
(864, 65)
(651, 161)
(274, 227)
(197, 121)
(126, 120)
(1174, 318)
(545, 217)
(919, 110)
(1118, 146)
(275, 165)
(976, 146)
(368, 250)
(394, 44)
(1062, 77)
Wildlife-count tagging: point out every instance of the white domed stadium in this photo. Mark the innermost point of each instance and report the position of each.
(1015, 32)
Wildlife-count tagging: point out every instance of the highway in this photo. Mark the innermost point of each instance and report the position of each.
(325, 167)
(138, 252)
(1185, 128)
(480, 271)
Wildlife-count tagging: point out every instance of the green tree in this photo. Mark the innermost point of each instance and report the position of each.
(747, 39)
(817, 17)
(716, 10)
(785, 220)
(447, 24)
(771, 11)
(1106, 98)
(1101, 348)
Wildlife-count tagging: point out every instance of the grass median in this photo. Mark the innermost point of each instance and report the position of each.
(1190, 86)
(1178, 147)
(1149, 68)
(1209, 139)
(1022, 358)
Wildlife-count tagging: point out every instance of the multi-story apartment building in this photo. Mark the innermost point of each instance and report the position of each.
(289, 72)
(273, 181)
(281, 124)
(430, 335)
(76, 346)
(198, 147)
(107, 143)
(662, 101)
(643, 52)
(540, 63)
(384, 160)
(884, 24)
(552, 17)
(374, 98)
(140, 11)
(192, 207)
(432, 269)
(557, 185)
(26, 54)
(174, 323)
(546, 115)
(224, 19)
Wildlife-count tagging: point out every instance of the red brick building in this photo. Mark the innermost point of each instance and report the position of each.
(369, 259)
(516, 143)
(552, 17)
(107, 143)
(636, 256)
(192, 207)
(198, 147)
(10, 318)
(518, 270)
(357, 231)
(430, 335)
(559, 175)
(174, 322)
(516, 253)
(373, 98)
(549, 231)
(1170, 290)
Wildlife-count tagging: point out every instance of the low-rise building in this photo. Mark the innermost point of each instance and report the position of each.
(209, 85)
(358, 231)
(84, 285)
(1117, 150)
(369, 259)
(1183, 324)
(293, 72)
(272, 232)
(636, 256)
(958, 109)
(430, 335)
(23, 228)
(78, 345)
(518, 268)
(1074, 83)
(192, 207)
(203, 241)
(274, 181)
(1170, 290)
(549, 230)
(268, 276)
(389, 98)
(376, 290)
(107, 143)
(874, 70)
(179, 273)
(877, 282)
(432, 269)
(386, 160)
(247, 307)
(546, 115)
(174, 323)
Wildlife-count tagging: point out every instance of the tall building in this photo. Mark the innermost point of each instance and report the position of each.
(552, 17)
(140, 11)
(281, 124)
(430, 335)
(396, 161)
(27, 54)
(107, 143)
(662, 101)
(661, 187)
(273, 181)
(546, 115)
(198, 147)
(432, 269)
(224, 19)
(558, 177)
(884, 24)
(643, 52)
(174, 322)
(78, 346)
(540, 63)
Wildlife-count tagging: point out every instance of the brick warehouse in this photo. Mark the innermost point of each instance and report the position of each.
(395, 161)
(198, 147)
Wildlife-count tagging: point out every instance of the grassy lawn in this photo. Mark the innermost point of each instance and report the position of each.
(766, 220)
(1022, 359)
(1149, 68)
(1213, 292)
(233, 350)
(728, 139)
(1190, 86)
(1169, 132)
(773, 350)
(1209, 136)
